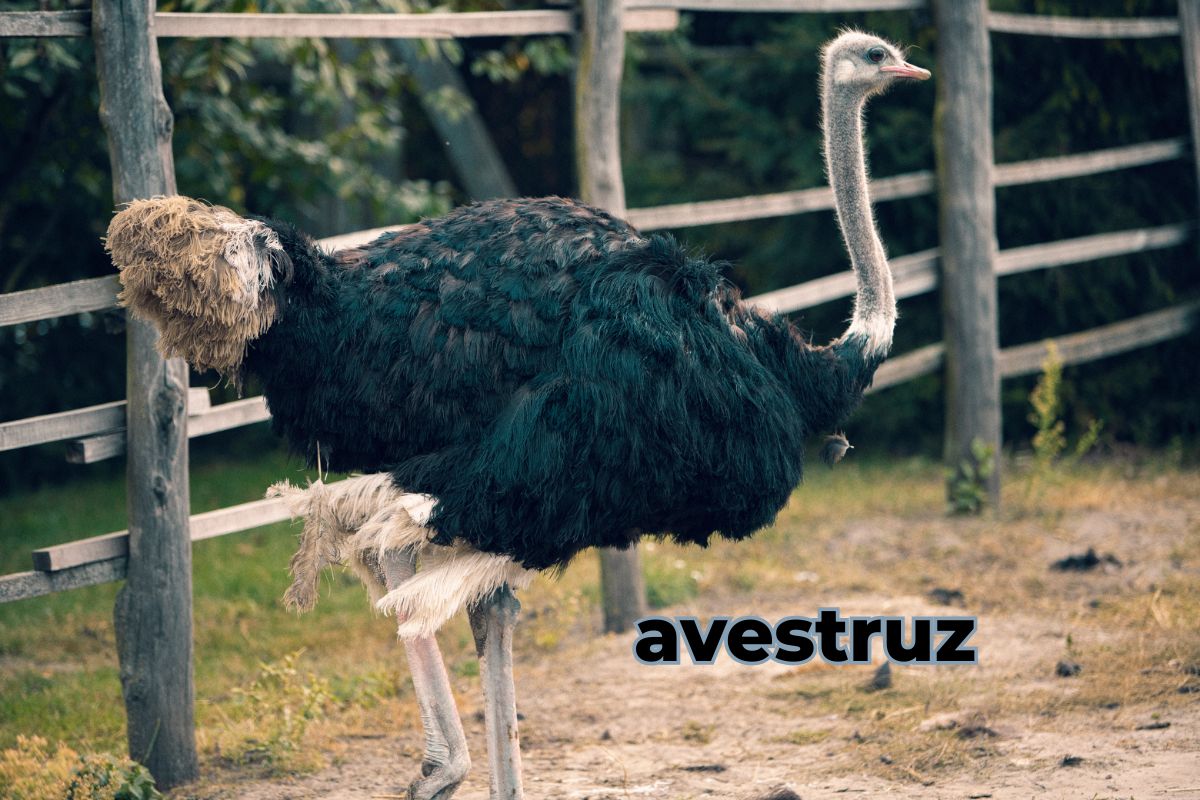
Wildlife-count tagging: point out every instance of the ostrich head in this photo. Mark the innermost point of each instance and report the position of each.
(201, 274)
(861, 65)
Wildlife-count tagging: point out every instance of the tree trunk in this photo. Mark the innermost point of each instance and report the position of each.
(153, 614)
(466, 139)
(963, 138)
(598, 159)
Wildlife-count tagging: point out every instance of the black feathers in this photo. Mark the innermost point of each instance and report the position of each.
(555, 379)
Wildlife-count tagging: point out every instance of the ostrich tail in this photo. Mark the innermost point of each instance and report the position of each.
(319, 545)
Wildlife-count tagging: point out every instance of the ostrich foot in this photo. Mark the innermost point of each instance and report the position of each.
(446, 761)
(492, 622)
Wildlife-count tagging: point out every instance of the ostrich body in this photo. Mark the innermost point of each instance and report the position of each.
(522, 379)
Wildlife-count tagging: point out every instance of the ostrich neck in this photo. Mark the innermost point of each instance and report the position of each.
(874, 303)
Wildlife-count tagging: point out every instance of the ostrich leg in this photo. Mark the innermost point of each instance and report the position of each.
(492, 623)
(446, 760)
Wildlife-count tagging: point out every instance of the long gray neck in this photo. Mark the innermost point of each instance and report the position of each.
(874, 302)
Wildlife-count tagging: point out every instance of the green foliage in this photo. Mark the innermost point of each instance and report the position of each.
(279, 704)
(967, 486)
(1050, 437)
(108, 778)
(33, 770)
(668, 583)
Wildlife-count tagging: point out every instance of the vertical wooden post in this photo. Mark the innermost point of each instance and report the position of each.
(153, 614)
(601, 57)
(967, 221)
(1189, 22)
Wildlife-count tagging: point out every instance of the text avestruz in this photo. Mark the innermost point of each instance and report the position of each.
(796, 640)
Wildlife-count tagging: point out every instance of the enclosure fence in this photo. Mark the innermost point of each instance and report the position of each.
(155, 554)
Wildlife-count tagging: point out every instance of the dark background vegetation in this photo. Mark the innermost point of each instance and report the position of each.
(331, 136)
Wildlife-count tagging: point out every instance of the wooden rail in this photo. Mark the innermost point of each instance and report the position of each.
(201, 422)
(1082, 27)
(779, 204)
(76, 297)
(897, 187)
(776, 6)
(78, 422)
(208, 525)
(335, 26)
(102, 559)
(1075, 348)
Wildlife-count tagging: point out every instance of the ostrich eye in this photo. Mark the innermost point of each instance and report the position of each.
(875, 55)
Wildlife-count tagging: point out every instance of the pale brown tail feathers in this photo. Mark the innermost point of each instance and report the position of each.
(200, 273)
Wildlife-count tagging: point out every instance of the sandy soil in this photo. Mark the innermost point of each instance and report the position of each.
(600, 726)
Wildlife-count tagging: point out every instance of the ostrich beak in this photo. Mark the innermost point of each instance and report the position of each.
(907, 70)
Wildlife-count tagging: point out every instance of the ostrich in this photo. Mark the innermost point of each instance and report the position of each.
(519, 380)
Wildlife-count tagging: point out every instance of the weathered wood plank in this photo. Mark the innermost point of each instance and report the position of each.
(207, 525)
(779, 204)
(1189, 21)
(75, 423)
(363, 26)
(1082, 27)
(1107, 340)
(967, 225)
(843, 6)
(229, 415)
(913, 274)
(153, 614)
(92, 294)
(24, 585)
(1079, 164)
(62, 425)
(96, 448)
(916, 273)
(45, 23)
(438, 25)
(916, 184)
(1090, 248)
(650, 20)
(1075, 348)
(243, 517)
(902, 369)
(333, 26)
(203, 419)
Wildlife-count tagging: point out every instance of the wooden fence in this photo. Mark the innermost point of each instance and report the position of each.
(154, 553)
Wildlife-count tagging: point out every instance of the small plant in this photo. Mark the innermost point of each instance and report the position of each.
(669, 583)
(33, 770)
(1050, 439)
(280, 703)
(102, 777)
(966, 486)
(697, 732)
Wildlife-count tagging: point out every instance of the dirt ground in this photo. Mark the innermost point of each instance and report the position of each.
(597, 725)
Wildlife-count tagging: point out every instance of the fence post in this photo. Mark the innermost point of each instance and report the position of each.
(1189, 23)
(967, 221)
(153, 614)
(601, 56)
